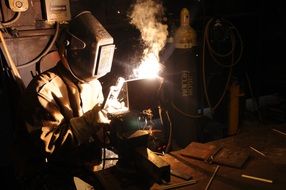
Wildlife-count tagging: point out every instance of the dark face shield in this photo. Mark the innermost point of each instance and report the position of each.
(89, 48)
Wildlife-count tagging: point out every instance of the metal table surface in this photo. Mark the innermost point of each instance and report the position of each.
(270, 165)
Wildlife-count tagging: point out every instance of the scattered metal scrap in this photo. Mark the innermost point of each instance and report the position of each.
(211, 179)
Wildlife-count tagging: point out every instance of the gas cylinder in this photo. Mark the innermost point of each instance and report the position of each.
(183, 71)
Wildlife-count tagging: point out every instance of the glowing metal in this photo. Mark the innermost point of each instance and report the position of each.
(149, 68)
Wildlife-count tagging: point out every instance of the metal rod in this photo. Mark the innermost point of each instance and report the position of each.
(257, 151)
(257, 178)
(177, 185)
(211, 179)
(279, 132)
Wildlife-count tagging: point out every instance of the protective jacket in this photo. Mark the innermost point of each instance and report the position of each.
(52, 100)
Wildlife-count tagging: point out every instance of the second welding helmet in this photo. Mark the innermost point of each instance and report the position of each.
(89, 47)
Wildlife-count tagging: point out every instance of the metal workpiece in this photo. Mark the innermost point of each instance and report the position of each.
(152, 164)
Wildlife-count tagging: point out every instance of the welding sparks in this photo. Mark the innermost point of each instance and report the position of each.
(153, 34)
(149, 67)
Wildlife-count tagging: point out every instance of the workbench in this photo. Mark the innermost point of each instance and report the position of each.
(265, 145)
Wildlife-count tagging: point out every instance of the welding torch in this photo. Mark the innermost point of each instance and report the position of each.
(111, 103)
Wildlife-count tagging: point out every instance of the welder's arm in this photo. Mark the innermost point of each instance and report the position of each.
(58, 130)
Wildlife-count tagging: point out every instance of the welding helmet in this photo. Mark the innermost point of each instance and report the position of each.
(88, 47)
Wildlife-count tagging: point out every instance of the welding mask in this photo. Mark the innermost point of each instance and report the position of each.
(89, 47)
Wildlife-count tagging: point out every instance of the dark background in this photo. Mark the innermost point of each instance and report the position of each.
(261, 25)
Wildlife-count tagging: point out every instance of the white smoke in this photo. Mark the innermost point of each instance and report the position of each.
(146, 16)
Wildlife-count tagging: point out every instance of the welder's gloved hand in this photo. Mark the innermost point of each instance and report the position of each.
(96, 116)
(89, 123)
(115, 106)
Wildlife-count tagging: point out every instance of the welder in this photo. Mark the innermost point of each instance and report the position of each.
(63, 105)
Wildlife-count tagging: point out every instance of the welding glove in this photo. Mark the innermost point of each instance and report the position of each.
(90, 122)
(115, 106)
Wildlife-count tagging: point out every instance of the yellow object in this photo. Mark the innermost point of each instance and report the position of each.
(185, 35)
(18, 5)
(257, 178)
